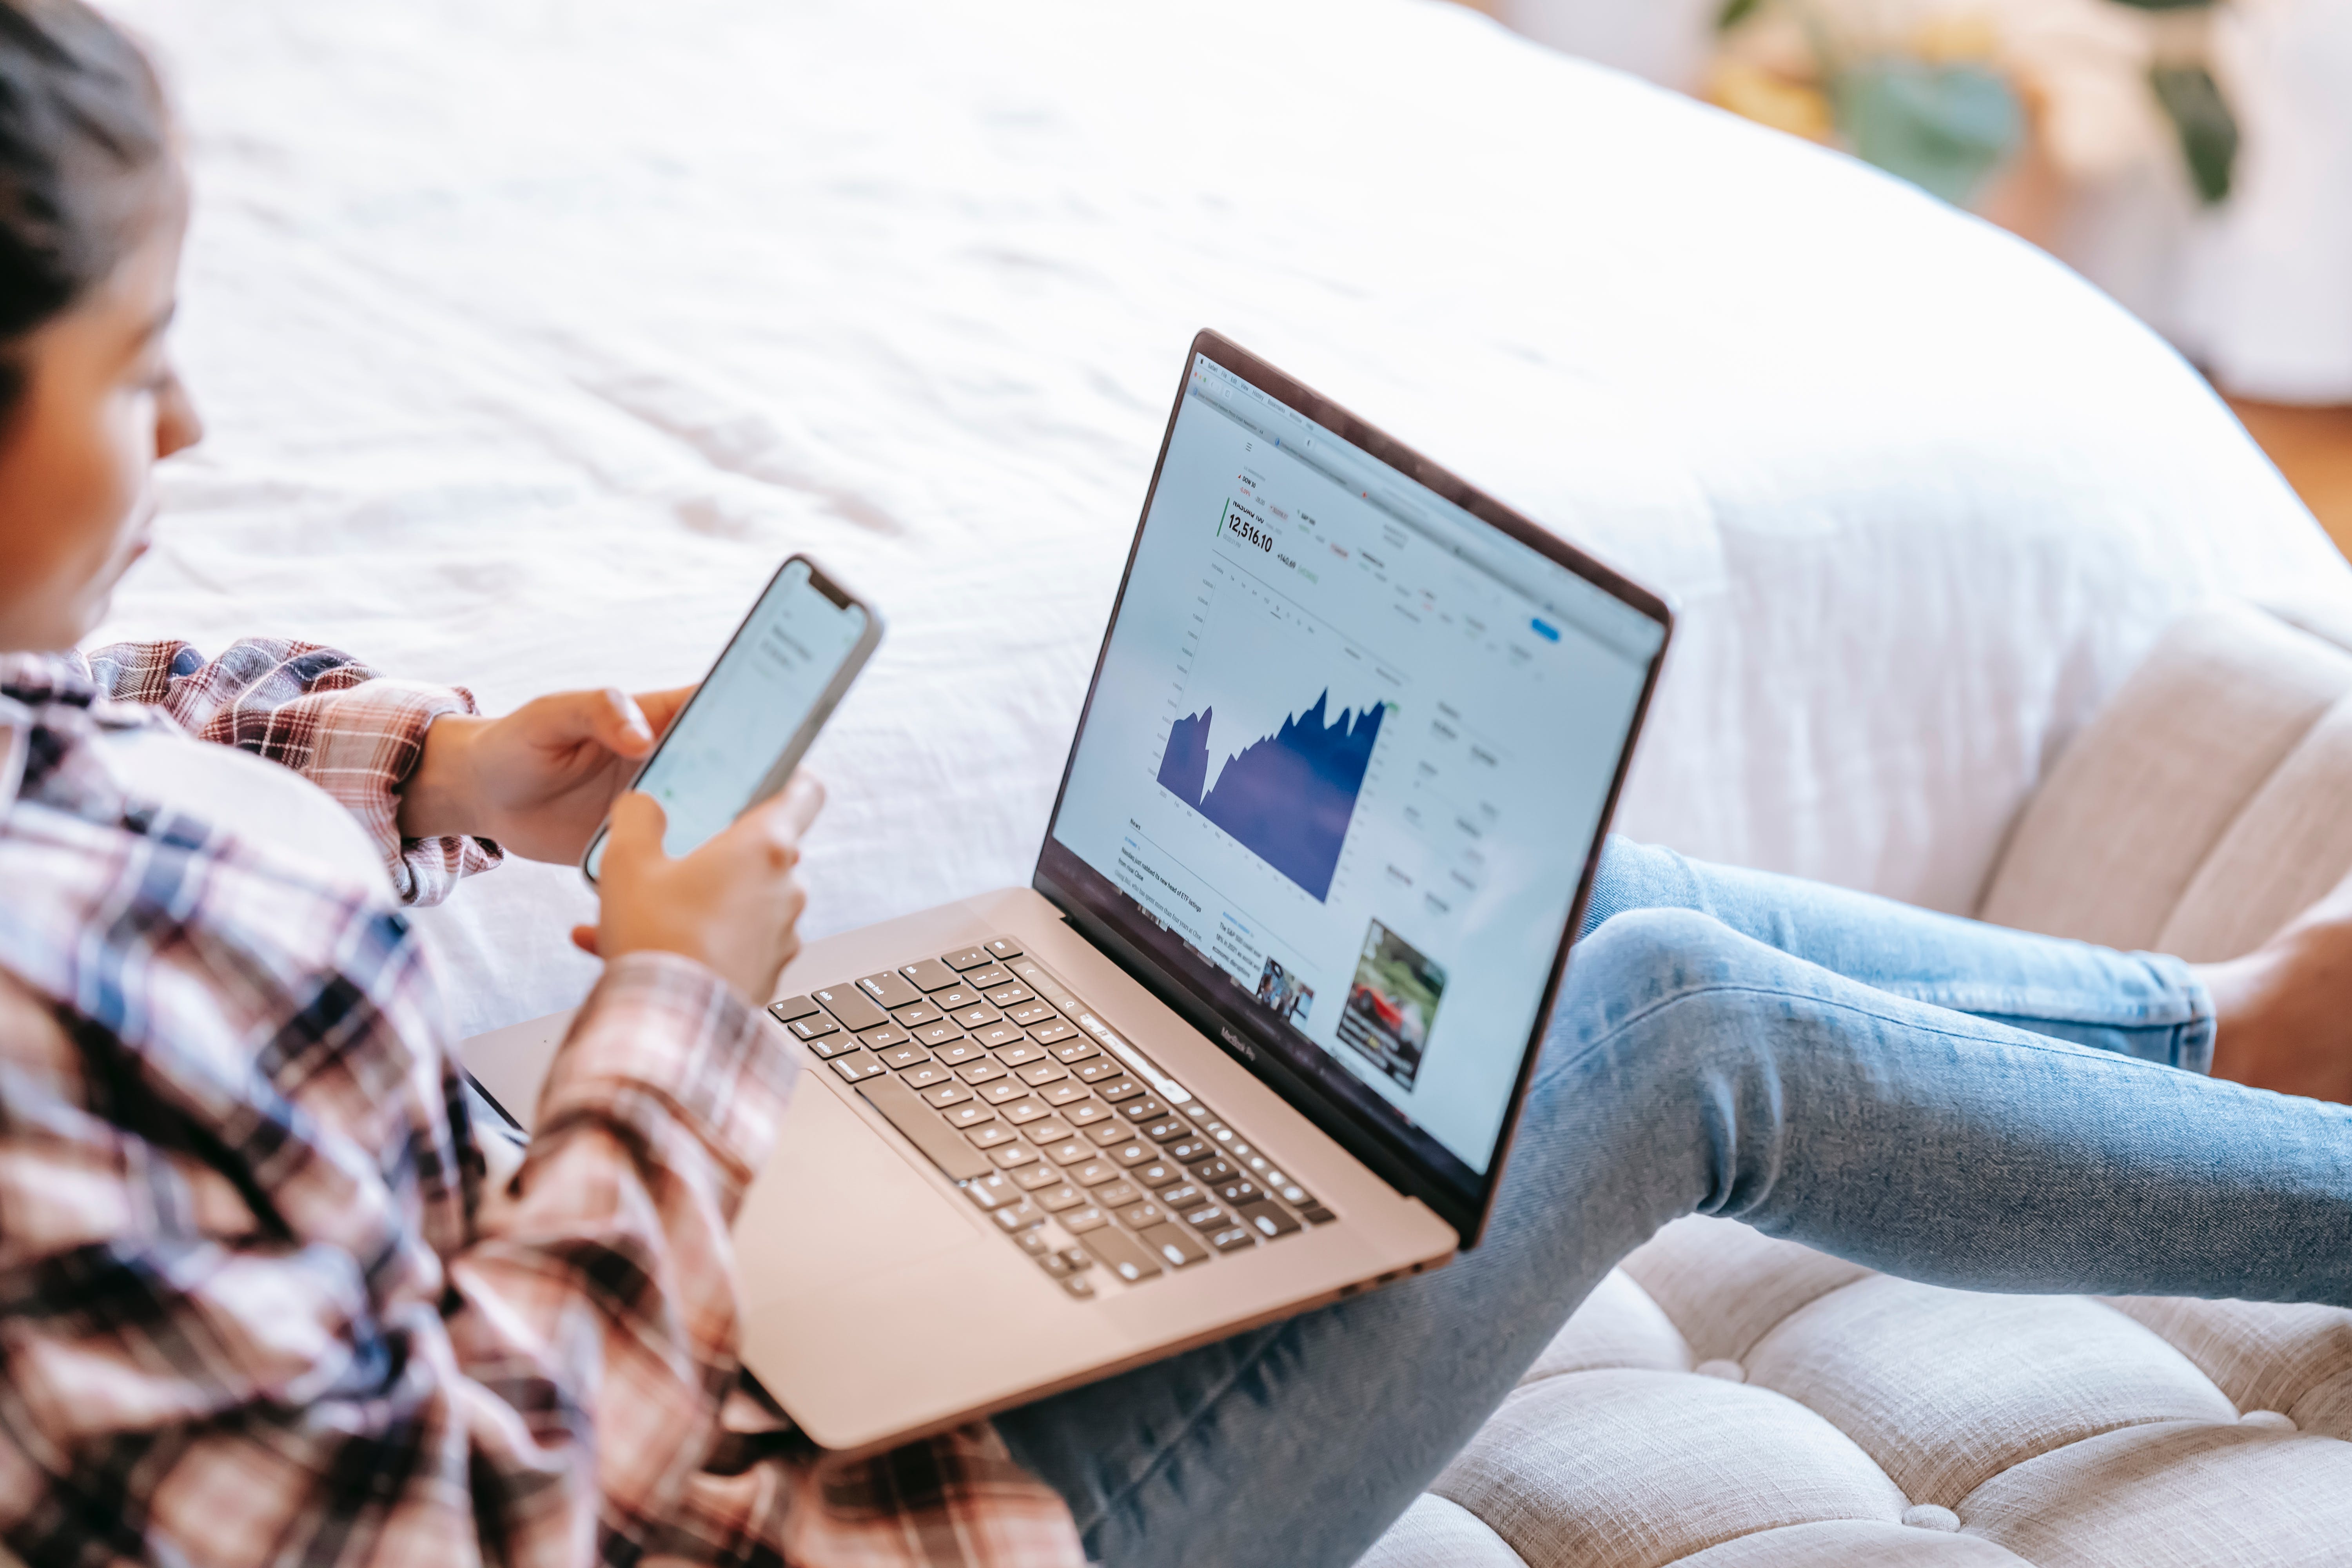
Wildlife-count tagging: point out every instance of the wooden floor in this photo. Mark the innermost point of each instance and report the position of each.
(2313, 448)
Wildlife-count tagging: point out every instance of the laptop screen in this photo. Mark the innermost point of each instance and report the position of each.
(1346, 756)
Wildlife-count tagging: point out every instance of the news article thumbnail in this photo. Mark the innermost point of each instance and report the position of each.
(1391, 1003)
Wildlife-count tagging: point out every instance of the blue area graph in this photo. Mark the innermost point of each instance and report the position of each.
(1287, 796)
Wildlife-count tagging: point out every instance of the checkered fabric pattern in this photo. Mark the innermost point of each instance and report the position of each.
(258, 1301)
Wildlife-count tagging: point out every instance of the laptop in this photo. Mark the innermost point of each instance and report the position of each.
(1256, 1035)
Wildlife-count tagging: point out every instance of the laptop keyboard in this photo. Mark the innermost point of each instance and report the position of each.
(1060, 1130)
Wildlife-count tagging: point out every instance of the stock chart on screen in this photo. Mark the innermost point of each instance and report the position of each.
(1287, 796)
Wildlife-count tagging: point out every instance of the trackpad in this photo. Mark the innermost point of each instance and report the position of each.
(838, 1201)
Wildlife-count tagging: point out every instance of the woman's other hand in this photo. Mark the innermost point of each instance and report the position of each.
(733, 905)
(540, 780)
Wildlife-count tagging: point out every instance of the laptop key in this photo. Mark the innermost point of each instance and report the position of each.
(888, 989)
(1170, 1242)
(978, 1016)
(1028, 1012)
(1062, 1093)
(1023, 1109)
(1078, 1286)
(971, 1114)
(970, 958)
(1039, 1073)
(928, 975)
(1077, 1222)
(1316, 1214)
(1054, 1264)
(1053, 1129)
(1240, 1190)
(1108, 1132)
(1002, 1090)
(1158, 1174)
(1190, 1149)
(792, 1007)
(1088, 1114)
(982, 1071)
(814, 1026)
(1142, 1216)
(853, 1007)
(1056, 1034)
(994, 1190)
(1035, 1243)
(956, 997)
(922, 1075)
(1020, 1217)
(900, 1108)
(1167, 1129)
(1008, 997)
(947, 1094)
(1013, 1156)
(906, 1055)
(1069, 1151)
(857, 1067)
(1118, 1089)
(1129, 1154)
(1004, 947)
(1233, 1238)
(984, 979)
(988, 1135)
(1117, 1252)
(1268, 1218)
(1055, 1199)
(939, 1033)
(834, 1044)
(1095, 1072)
(1119, 1194)
(1003, 1037)
(916, 1016)
(1095, 1172)
(1148, 1108)
(1182, 1196)
(885, 1036)
(1209, 1217)
(1029, 1178)
(959, 1050)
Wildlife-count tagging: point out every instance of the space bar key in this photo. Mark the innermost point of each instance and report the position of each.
(901, 1108)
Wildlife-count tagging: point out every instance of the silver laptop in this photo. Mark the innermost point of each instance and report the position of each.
(1255, 1036)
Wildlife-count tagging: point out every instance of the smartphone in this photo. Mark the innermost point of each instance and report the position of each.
(745, 729)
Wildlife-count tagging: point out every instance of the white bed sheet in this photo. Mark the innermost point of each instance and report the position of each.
(532, 333)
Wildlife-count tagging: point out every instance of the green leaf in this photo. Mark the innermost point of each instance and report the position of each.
(1735, 12)
(1943, 127)
(2209, 131)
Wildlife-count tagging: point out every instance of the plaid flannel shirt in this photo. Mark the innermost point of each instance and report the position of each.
(258, 1301)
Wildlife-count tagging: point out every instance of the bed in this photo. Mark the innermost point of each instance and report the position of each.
(533, 333)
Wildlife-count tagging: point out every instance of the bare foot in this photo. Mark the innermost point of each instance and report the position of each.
(2283, 1012)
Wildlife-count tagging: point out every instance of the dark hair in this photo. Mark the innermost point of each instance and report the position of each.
(84, 138)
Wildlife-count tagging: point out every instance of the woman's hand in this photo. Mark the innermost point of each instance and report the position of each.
(540, 780)
(733, 905)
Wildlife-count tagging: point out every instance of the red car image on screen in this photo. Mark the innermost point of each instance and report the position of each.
(1391, 1003)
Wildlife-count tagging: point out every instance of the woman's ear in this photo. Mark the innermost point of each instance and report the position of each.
(178, 426)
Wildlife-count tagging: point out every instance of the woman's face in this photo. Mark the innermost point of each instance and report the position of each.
(101, 404)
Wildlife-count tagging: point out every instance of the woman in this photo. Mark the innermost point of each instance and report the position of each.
(271, 1287)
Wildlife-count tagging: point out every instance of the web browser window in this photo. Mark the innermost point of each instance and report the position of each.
(1351, 744)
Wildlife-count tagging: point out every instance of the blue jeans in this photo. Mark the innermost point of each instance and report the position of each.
(1937, 1098)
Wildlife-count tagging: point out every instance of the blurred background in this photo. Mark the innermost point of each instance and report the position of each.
(2192, 157)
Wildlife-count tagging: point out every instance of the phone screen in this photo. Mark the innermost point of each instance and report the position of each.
(750, 705)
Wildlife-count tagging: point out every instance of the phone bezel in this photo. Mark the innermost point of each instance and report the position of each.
(846, 673)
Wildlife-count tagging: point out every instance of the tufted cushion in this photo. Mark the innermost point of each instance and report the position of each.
(1724, 1400)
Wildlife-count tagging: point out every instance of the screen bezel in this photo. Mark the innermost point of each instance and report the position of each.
(780, 772)
(1114, 922)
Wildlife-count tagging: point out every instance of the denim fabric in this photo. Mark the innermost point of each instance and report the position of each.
(1695, 1064)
